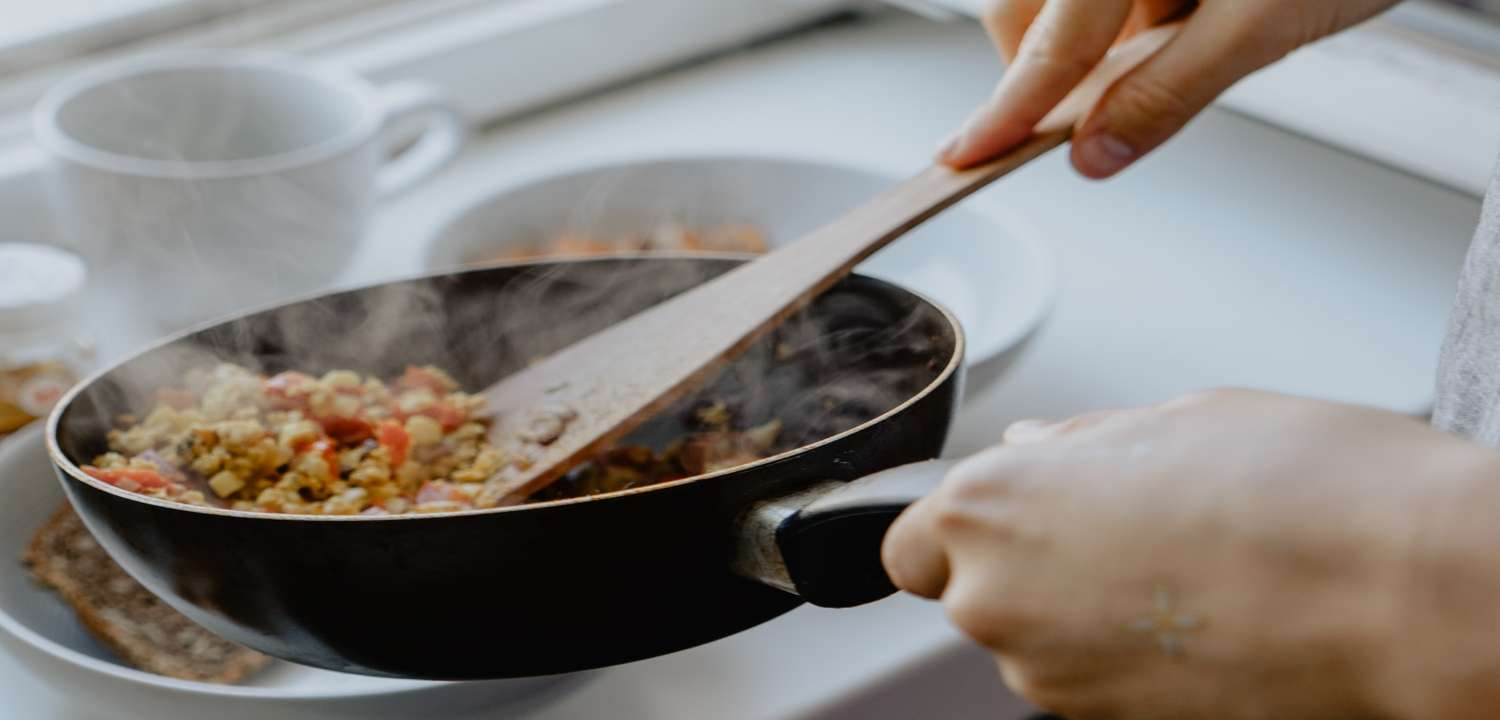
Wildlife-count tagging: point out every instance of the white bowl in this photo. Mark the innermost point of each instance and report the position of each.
(46, 637)
(985, 264)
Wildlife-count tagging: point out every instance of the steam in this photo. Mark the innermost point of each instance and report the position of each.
(854, 355)
(190, 216)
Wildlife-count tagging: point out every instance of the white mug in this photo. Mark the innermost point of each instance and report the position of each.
(205, 182)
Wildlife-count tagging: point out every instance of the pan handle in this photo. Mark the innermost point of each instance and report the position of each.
(823, 543)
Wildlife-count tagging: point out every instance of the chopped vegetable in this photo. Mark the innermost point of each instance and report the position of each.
(446, 414)
(429, 378)
(322, 448)
(345, 444)
(289, 390)
(424, 430)
(396, 441)
(347, 430)
(225, 483)
(129, 478)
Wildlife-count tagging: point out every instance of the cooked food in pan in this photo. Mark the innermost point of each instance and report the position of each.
(145, 632)
(344, 444)
(865, 379)
(724, 238)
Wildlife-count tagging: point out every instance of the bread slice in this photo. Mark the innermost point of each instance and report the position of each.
(146, 632)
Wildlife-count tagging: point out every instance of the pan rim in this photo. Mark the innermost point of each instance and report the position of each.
(61, 461)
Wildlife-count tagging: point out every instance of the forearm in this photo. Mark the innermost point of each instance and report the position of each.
(1441, 636)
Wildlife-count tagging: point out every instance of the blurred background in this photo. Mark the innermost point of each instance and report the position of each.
(1485, 6)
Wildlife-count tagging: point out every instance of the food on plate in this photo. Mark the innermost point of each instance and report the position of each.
(722, 238)
(344, 444)
(145, 632)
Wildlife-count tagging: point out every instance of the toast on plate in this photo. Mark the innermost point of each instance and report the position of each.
(145, 632)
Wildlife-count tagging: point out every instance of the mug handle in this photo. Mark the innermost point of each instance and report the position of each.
(442, 134)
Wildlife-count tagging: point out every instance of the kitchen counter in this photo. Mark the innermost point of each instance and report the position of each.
(1238, 255)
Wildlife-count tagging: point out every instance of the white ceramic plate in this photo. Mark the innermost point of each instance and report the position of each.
(47, 638)
(986, 265)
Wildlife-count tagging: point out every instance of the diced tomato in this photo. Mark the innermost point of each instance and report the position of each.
(438, 490)
(346, 430)
(289, 390)
(394, 439)
(446, 414)
(176, 399)
(322, 446)
(416, 378)
(129, 478)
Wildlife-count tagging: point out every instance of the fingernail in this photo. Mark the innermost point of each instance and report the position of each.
(1104, 154)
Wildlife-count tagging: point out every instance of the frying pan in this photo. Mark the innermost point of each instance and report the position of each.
(865, 380)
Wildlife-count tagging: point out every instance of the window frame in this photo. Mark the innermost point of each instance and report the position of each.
(90, 34)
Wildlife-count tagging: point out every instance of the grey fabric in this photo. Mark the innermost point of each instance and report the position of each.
(1468, 385)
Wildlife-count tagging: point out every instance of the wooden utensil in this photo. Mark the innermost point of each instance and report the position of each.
(591, 393)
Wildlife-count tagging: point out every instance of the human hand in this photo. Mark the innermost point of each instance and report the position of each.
(1227, 555)
(1050, 45)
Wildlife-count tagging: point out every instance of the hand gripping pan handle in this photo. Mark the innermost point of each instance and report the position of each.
(823, 543)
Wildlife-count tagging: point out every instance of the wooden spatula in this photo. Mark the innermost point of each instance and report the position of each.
(591, 393)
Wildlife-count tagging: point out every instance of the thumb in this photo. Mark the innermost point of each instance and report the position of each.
(1152, 102)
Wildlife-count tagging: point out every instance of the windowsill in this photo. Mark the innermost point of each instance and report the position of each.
(1391, 93)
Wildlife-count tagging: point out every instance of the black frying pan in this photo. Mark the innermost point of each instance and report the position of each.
(865, 380)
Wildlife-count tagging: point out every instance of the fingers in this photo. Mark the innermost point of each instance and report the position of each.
(918, 549)
(1025, 431)
(1154, 101)
(1055, 43)
(914, 553)
(1066, 40)
(1006, 22)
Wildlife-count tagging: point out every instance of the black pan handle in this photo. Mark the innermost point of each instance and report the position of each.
(824, 542)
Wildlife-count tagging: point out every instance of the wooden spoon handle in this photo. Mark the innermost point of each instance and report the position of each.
(596, 390)
(790, 276)
(794, 273)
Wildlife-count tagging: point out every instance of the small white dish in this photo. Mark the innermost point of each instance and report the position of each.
(46, 637)
(986, 265)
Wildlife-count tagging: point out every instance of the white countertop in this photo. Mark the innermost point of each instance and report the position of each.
(1239, 255)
